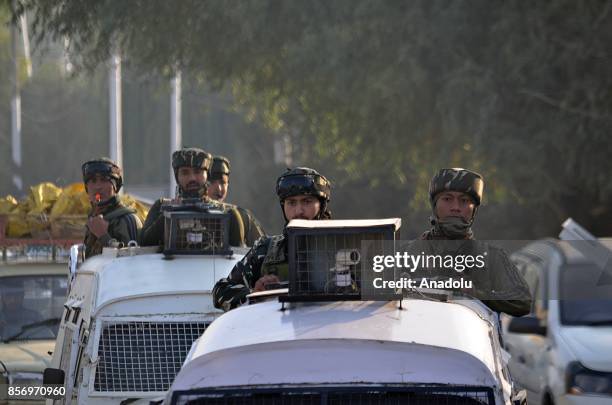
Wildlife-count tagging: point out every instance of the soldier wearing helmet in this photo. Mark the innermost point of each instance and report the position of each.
(303, 193)
(455, 196)
(218, 186)
(218, 182)
(109, 220)
(191, 167)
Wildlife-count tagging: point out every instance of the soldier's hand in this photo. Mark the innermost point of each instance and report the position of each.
(260, 285)
(97, 225)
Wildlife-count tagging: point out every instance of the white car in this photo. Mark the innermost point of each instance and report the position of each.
(562, 352)
(29, 328)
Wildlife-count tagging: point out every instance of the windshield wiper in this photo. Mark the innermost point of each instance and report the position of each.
(25, 328)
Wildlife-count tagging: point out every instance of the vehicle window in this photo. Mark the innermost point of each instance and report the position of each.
(30, 306)
(532, 272)
(584, 299)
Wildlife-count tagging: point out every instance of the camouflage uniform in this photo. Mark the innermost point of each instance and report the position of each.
(123, 223)
(123, 226)
(269, 254)
(252, 228)
(499, 285)
(244, 228)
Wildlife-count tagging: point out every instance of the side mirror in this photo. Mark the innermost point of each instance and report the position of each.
(75, 260)
(53, 376)
(527, 325)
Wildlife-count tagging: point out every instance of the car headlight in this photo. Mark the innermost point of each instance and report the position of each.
(581, 380)
(25, 379)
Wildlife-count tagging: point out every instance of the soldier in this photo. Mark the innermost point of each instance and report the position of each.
(219, 178)
(218, 186)
(191, 167)
(303, 194)
(109, 220)
(455, 195)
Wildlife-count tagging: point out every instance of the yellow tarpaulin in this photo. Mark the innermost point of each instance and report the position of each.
(141, 209)
(42, 197)
(72, 201)
(52, 212)
(7, 204)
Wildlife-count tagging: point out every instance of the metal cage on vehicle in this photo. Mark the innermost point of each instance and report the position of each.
(326, 258)
(195, 228)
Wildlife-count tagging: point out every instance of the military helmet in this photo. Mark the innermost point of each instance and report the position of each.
(220, 166)
(191, 157)
(105, 167)
(303, 181)
(457, 179)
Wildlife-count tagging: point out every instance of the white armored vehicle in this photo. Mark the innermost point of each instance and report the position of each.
(322, 343)
(132, 313)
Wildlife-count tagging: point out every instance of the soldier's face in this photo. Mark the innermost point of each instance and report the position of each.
(191, 179)
(454, 204)
(99, 189)
(217, 189)
(301, 207)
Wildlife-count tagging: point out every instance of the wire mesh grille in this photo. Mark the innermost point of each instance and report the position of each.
(197, 232)
(362, 396)
(331, 264)
(143, 356)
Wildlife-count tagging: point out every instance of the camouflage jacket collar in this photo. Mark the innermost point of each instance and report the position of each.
(436, 234)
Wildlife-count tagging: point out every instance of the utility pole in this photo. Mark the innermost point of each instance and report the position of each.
(15, 112)
(26, 44)
(115, 132)
(176, 136)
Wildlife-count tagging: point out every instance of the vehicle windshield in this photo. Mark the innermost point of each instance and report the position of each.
(27, 303)
(586, 297)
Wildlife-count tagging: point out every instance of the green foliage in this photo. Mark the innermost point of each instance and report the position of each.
(388, 91)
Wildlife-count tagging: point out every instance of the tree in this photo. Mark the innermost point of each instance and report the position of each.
(385, 92)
